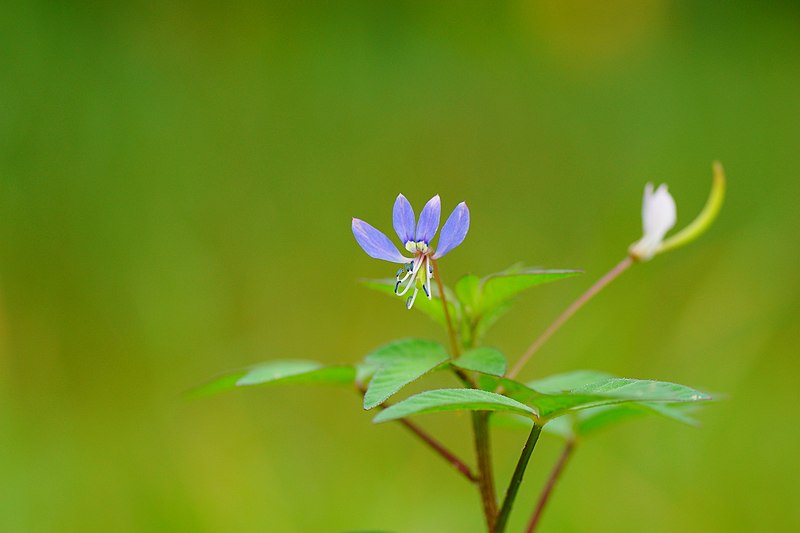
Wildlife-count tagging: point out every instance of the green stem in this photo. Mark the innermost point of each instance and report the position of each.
(551, 483)
(480, 419)
(480, 426)
(516, 479)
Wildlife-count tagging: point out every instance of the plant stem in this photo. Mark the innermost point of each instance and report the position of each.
(551, 482)
(610, 276)
(434, 444)
(516, 479)
(480, 427)
(480, 419)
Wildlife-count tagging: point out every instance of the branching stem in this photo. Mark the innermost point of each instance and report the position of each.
(434, 444)
(480, 419)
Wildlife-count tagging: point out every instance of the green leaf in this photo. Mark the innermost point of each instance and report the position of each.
(498, 289)
(433, 307)
(592, 420)
(399, 363)
(297, 371)
(434, 401)
(567, 381)
(279, 371)
(484, 301)
(222, 383)
(612, 391)
(484, 359)
(468, 293)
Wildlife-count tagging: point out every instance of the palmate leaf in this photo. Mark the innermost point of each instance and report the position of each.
(280, 371)
(398, 364)
(433, 307)
(439, 400)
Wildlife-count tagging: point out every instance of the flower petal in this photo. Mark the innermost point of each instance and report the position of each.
(658, 217)
(403, 218)
(429, 220)
(658, 211)
(375, 243)
(454, 230)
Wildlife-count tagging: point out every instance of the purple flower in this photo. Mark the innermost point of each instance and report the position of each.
(416, 237)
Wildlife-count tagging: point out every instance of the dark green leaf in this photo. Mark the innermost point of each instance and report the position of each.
(453, 400)
(399, 363)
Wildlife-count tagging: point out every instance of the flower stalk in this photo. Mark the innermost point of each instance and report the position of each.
(599, 285)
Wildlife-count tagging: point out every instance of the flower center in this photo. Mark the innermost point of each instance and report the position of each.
(417, 273)
(418, 246)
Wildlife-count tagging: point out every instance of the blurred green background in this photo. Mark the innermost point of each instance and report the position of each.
(176, 186)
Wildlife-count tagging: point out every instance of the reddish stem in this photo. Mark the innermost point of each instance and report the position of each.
(568, 312)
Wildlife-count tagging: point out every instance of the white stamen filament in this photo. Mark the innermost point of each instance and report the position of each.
(410, 302)
(428, 275)
(417, 263)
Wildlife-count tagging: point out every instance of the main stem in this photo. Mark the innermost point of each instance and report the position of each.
(551, 483)
(480, 420)
(516, 479)
(610, 276)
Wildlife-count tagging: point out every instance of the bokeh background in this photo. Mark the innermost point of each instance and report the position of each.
(176, 186)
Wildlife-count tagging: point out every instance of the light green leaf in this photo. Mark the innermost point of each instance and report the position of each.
(222, 383)
(297, 371)
(453, 400)
(484, 301)
(567, 381)
(399, 363)
(468, 292)
(591, 420)
(612, 391)
(433, 307)
(484, 359)
(279, 371)
(498, 289)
